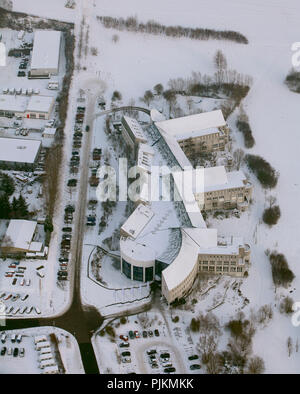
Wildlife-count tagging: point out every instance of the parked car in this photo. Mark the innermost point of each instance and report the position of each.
(21, 74)
(156, 332)
(22, 352)
(169, 369)
(145, 335)
(16, 352)
(124, 344)
(195, 366)
(131, 334)
(124, 337)
(150, 333)
(126, 354)
(194, 357)
(3, 351)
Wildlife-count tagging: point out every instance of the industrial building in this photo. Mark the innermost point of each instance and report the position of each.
(18, 153)
(39, 107)
(45, 54)
(35, 107)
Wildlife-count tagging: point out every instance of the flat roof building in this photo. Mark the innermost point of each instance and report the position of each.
(11, 105)
(139, 218)
(19, 236)
(193, 125)
(16, 152)
(46, 53)
(39, 107)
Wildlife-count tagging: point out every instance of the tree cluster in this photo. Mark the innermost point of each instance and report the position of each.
(263, 170)
(152, 27)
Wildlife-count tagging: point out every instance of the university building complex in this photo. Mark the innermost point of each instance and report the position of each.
(154, 241)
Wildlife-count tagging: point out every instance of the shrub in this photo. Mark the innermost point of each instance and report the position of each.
(281, 274)
(256, 365)
(271, 215)
(110, 331)
(175, 319)
(195, 325)
(286, 305)
(293, 81)
(245, 128)
(116, 96)
(264, 172)
(123, 320)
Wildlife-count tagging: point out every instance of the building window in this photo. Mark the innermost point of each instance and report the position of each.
(225, 269)
(138, 273)
(126, 268)
(149, 274)
(232, 269)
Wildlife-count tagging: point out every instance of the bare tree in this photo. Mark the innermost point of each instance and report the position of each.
(256, 365)
(148, 97)
(158, 89)
(221, 65)
(289, 344)
(238, 156)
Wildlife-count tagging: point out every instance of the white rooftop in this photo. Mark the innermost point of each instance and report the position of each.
(185, 186)
(176, 150)
(145, 156)
(224, 246)
(139, 218)
(183, 264)
(19, 234)
(40, 104)
(19, 150)
(187, 126)
(136, 128)
(46, 48)
(216, 178)
(13, 103)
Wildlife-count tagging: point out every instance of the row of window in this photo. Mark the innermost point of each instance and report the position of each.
(221, 269)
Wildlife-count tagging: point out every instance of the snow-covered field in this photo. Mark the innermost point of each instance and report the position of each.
(137, 62)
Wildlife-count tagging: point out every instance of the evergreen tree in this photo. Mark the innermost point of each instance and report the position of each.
(5, 209)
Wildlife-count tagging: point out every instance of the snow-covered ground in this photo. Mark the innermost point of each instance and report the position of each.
(64, 348)
(137, 62)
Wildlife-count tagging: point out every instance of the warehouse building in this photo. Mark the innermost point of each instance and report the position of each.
(39, 107)
(17, 153)
(45, 54)
(35, 107)
(11, 105)
(19, 236)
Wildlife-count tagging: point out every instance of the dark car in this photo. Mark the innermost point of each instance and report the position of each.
(62, 273)
(156, 333)
(69, 208)
(145, 335)
(67, 229)
(165, 355)
(131, 334)
(124, 344)
(63, 259)
(153, 351)
(87, 128)
(194, 357)
(21, 74)
(16, 352)
(169, 369)
(72, 182)
(126, 354)
(3, 351)
(195, 366)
